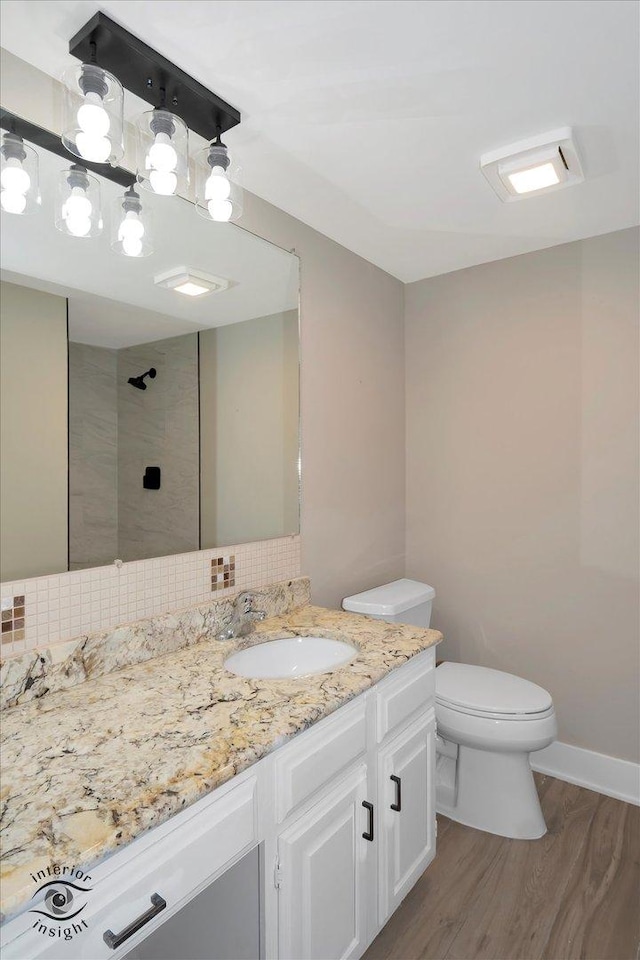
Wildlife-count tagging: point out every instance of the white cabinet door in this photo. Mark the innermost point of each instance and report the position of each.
(406, 802)
(322, 876)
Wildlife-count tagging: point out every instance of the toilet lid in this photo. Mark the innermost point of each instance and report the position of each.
(488, 691)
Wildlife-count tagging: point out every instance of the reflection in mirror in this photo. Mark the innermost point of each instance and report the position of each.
(181, 427)
(120, 426)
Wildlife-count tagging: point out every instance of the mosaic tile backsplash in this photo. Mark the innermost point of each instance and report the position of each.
(46, 610)
(223, 572)
(13, 609)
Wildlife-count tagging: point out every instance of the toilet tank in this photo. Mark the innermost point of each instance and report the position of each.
(403, 601)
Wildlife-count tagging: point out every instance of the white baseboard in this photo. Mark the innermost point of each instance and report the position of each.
(596, 771)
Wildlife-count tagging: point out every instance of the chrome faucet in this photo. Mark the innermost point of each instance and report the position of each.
(243, 618)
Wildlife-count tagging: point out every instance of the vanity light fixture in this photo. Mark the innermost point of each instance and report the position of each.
(18, 176)
(534, 166)
(180, 104)
(130, 233)
(191, 283)
(106, 51)
(218, 193)
(78, 207)
(93, 113)
(111, 59)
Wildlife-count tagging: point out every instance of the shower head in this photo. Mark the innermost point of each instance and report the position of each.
(138, 382)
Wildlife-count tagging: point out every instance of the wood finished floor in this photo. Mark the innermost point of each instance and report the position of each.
(573, 894)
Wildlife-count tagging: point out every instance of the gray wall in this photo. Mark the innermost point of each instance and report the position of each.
(352, 407)
(522, 477)
(33, 432)
(249, 430)
(93, 456)
(158, 427)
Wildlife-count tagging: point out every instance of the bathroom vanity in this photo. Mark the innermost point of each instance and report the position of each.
(303, 852)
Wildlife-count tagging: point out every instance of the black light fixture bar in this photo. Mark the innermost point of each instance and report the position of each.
(52, 142)
(148, 75)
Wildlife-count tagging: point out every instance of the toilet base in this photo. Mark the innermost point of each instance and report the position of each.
(493, 791)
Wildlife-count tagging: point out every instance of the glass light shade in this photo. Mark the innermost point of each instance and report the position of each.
(92, 120)
(218, 192)
(162, 152)
(78, 211)
(19, 185)
(131, 226)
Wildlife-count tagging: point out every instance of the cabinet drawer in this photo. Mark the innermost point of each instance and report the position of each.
(407, 691)
(315, 757)
(175, 868)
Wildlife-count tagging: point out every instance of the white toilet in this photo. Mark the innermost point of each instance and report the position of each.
(488, 724)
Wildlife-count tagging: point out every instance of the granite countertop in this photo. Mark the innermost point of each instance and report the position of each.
(88, 769)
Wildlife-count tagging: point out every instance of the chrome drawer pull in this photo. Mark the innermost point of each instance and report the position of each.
(397, 806)
(114, 940)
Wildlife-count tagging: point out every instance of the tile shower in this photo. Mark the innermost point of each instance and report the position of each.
(115, 432)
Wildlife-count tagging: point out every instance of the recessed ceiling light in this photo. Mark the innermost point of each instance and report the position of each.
(534, 166)
(191, 283)
(535, 178)
(191, 289)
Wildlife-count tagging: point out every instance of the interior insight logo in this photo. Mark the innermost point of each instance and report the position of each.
(65, 897)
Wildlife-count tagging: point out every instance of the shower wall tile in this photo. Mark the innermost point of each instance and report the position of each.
(93, 456)
(158, 427)
(58, 608)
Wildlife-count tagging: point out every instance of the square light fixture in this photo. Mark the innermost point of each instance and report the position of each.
(534, 166)
(191, 283)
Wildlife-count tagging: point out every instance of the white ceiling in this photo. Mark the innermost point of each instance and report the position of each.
(366, 118)
(114, 301)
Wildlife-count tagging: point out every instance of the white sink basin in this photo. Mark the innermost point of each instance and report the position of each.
(290, 657)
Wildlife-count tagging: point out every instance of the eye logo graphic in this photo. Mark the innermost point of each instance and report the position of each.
(59, 900)
(64, 900)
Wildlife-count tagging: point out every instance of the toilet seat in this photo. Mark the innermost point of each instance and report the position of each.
(483, 692)
(493, 715)
(504, 734)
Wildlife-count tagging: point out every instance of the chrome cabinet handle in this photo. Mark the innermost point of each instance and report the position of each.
(114, 940)
(397, 806)
(368, 834)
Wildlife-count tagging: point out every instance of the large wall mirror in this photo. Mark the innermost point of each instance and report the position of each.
(138, 421)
